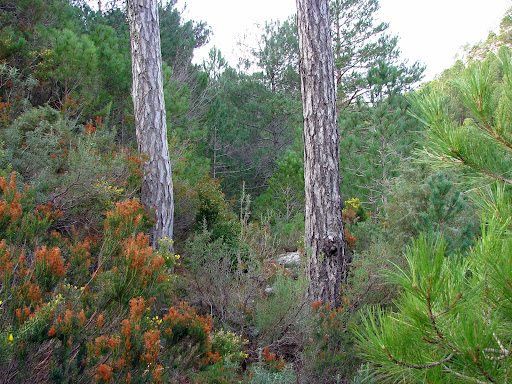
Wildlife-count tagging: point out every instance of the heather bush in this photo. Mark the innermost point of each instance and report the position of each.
(212, 280)
(329, 354)
(246, 291)
(96, 308)
(75, 167)
(271, 369)
(224, 277)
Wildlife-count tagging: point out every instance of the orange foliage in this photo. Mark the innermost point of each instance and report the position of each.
(275, 363)
(46, 210)
(6, 264)
(151, 346)
(184, 314)
(267, 355)
(52, 332)
(51, 259)
(10, 208)
(137, 251)
(104, 373)
(101, 321)
(137, 306)
(125, 218)
(5, 110)
(351, 240)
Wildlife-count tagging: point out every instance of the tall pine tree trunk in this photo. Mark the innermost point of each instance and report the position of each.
(149, 111)
(324, 234)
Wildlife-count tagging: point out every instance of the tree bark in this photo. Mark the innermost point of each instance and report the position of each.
(324, 234)
(149, 112)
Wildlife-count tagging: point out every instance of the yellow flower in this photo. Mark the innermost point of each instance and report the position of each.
(177, 257)
(10, 339)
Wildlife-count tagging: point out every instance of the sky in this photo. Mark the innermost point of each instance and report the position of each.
(430, 31)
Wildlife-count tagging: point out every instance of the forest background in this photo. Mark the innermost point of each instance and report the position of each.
(83, 297)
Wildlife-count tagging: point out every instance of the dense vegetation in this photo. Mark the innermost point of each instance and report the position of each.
(425, 174)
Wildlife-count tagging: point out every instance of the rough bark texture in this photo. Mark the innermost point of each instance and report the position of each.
(324, 235)
(149, 111)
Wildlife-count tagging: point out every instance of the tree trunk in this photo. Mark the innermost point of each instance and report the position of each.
(324, 234)
(149, 111)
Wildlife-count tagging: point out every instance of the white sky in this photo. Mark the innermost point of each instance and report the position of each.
(431, 31)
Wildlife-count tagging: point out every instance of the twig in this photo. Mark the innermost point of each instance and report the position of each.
(460, 375)
(413, 366)
(503, 351)
(449, 307)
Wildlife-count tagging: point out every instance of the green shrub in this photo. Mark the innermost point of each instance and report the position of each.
(271, 369)
(278, 315)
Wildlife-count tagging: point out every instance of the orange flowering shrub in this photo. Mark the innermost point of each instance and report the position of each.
(20, 220)
(183, 322)
(351, 240)
(272, 361)
(90, 128)
(6, 264)
(67, 324)
(80, 259)
(49, 266)
(151, 346)
(99, 299)
(154, 343)
(134, 270)
(127, 218)
(5, 111)
(104, 374)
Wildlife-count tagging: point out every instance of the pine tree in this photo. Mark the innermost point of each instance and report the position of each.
(454, 315)
(324, 234)
(150, 119)
(378, 133)
(440, 218)
(359, 42)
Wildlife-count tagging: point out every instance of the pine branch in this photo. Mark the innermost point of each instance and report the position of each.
(413, 366)
(478, 168)
(449, 307)
(460, 375)
(502, 351)
(488, 129)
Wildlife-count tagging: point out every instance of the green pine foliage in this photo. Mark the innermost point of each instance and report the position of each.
(359, 43)
(452, 319)
(378, 134)
(440, 219)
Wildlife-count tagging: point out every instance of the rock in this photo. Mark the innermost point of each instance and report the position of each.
(289, 259)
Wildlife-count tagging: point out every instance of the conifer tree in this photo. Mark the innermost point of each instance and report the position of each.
(359, 42)
(454, 315)
(324, 231)
(150, 117)
(440, 218)
(378, 133)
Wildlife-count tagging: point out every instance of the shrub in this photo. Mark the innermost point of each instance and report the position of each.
(271, 369)
(68, 164)
(278, 315)
(329, 353)
(75, 308)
